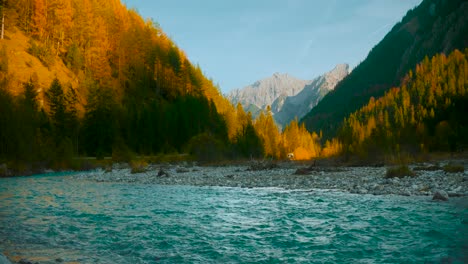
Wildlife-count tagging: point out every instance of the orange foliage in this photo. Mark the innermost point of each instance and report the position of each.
(118, 44)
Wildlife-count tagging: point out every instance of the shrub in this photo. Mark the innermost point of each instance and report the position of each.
(454, 168)
(399, 172)
(138, 166)
(74, 58)
(206, 148)
(121, 152)
(42, 52)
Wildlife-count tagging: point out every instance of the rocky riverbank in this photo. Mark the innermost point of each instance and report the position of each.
(360, 180)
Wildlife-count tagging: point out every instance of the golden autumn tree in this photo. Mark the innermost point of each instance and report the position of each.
(39, 19)
(60, 22)
(268, 132)
(97, 59)
(297, 140)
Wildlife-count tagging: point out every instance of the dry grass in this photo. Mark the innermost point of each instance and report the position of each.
(22, 66)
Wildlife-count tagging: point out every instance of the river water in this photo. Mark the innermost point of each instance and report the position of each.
(46, 218)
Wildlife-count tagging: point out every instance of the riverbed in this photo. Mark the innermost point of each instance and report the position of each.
(120, 217)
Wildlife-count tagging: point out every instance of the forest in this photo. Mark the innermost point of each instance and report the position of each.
(427, 113)
(137, 94)
(431, 28)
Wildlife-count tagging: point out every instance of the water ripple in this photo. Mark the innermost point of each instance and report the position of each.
(43, 218)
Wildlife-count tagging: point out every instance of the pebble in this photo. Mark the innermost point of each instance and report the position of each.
(362, 180)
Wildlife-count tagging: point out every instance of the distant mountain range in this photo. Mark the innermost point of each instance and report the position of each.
(288, 97)
(435, 26)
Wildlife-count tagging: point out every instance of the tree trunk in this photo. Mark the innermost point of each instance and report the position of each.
(3, 24)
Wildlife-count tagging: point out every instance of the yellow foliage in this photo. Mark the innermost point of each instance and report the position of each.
(298, 140)
(301, 153)
(269, 134)
(332, 148)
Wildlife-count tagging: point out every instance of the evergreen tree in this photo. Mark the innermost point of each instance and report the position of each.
(100, 126)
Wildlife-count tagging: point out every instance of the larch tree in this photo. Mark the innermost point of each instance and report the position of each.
(39, 19)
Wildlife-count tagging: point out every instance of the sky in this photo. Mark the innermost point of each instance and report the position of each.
(239, 42)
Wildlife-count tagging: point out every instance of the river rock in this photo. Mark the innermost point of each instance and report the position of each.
(440, 196)
(4, 260)
(163, 173)
(25, 261)
(302, 171)
(182, 170)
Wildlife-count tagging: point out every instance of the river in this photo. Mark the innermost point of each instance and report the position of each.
(60, 218)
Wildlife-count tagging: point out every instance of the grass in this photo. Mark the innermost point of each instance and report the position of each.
(399, 172)
(454, 168)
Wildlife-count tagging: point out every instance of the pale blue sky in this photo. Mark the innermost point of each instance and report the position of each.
(241, 41)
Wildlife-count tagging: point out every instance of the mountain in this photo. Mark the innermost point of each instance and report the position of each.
(300, 104)
(435, 26)
(287, 96)
(263, 93)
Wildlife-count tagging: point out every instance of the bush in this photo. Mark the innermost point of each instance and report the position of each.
(454, 168)
(121, 152)
(74, 58)
(206, 148)
(138, 166)
(42, 52)
(399, 172)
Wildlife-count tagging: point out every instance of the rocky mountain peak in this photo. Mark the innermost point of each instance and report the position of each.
(336, 75)
(264, 92)
(283, 90)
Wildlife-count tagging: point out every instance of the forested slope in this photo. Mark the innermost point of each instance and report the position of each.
(428, 112)
(435, 26)
(91, 77)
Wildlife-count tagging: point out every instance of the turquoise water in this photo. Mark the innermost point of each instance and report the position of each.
(43, 218)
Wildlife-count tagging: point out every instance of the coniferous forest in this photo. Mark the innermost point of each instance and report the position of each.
(137, 93)
(426, 113)
(122, 89)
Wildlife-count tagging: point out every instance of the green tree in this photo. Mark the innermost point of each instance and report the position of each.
(58, 109)
(100, 125)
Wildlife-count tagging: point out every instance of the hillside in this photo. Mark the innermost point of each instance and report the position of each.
(93, 78)
(426, 113)
(435, 26)
(23, 66)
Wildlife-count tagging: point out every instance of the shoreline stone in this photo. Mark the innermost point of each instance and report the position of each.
(440, 196)
(361, 180)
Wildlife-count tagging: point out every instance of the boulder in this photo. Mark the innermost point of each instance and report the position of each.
(163, 173)
(302, 171)
(440, 196)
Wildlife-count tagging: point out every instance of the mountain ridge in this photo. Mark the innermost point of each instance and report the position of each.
(300, 104)
(435, 26)
(288, 97)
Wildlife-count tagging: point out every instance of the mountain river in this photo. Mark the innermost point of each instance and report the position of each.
(58, 218)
